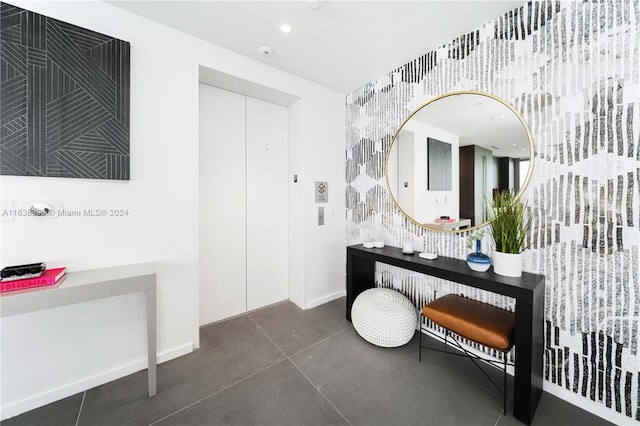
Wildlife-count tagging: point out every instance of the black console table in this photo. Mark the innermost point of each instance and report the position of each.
(528, 291)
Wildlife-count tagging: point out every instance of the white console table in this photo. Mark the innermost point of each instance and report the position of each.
(84, 286)
(447, 226)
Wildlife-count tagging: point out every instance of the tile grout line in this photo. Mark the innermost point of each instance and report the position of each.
(298, 368)
(216, 392)
(303, 349)
(500, 415)
(232, 384)
(251, 375)
(286, 357)
(320, 392)
(320, 341)
(268, 337)
(84, 395)
(498, 419)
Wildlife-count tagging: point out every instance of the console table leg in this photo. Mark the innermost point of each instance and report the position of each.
(529, 359)
(151, 340)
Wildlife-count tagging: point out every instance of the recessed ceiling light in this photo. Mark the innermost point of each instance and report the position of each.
(285, 28)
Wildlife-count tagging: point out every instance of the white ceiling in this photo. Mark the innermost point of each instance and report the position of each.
(342, 45)
(478, 120)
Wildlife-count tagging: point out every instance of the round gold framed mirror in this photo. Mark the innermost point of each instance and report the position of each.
(452, 154)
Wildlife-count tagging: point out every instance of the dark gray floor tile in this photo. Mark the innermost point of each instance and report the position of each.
(553, 411)
(388, 386)
(229, 351)
(294, 329)
(230, 377)
(280, 395)
(59, 413)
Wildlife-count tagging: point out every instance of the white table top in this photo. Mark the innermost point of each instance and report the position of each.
(449, 225)
(81, 286)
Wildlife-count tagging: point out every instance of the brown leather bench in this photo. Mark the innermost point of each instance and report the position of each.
(479, 322)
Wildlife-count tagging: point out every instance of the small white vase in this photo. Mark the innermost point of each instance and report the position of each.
(507, 264)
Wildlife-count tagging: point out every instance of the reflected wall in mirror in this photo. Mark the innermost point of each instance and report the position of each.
(491, 150)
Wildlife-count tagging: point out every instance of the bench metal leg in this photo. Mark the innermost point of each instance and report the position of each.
(420, 344)
(472, 357)
(504, 389)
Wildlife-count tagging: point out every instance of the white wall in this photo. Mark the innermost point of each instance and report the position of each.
(427, 205)
(88, 344)
(323, 159)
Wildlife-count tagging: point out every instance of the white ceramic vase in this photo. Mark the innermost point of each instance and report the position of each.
(507, 264)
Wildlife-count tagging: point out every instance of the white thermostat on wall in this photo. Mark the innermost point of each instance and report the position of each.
(322, 192)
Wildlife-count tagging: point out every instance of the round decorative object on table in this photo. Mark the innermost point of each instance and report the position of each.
(478, 261)
(384, 317)
(407, 247)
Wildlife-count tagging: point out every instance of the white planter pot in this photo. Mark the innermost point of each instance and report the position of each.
(507, 264)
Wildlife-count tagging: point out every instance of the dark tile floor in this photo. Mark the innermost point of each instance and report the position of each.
(285, 366)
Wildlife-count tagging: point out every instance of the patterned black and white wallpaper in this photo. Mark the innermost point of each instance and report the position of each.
(64, 99)
(571, 69)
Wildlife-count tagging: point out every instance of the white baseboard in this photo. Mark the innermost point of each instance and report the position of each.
(51, 395)
(326, 299)
(165, 356)
(593, 407)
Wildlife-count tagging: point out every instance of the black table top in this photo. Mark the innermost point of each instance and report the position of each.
(523, 288)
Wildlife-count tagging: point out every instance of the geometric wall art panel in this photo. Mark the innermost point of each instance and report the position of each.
(64, 99)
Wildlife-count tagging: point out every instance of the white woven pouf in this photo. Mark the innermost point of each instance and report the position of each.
(384, 317)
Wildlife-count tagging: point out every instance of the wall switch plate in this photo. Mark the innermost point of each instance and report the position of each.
(321, 191)
(320, 216)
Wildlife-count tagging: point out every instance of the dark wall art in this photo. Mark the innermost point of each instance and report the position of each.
(439, 178)
(64, 99)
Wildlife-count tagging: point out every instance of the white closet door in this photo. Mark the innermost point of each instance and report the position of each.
(222, 205)
(267, 199)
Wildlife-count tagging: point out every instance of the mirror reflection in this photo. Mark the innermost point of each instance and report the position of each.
(454, 152)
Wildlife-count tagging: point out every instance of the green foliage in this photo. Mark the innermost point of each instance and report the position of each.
(473, 237)
(509, 222)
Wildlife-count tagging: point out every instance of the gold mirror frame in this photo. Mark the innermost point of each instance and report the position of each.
(523, 186)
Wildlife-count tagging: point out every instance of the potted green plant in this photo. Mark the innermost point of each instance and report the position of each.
(509, 225)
